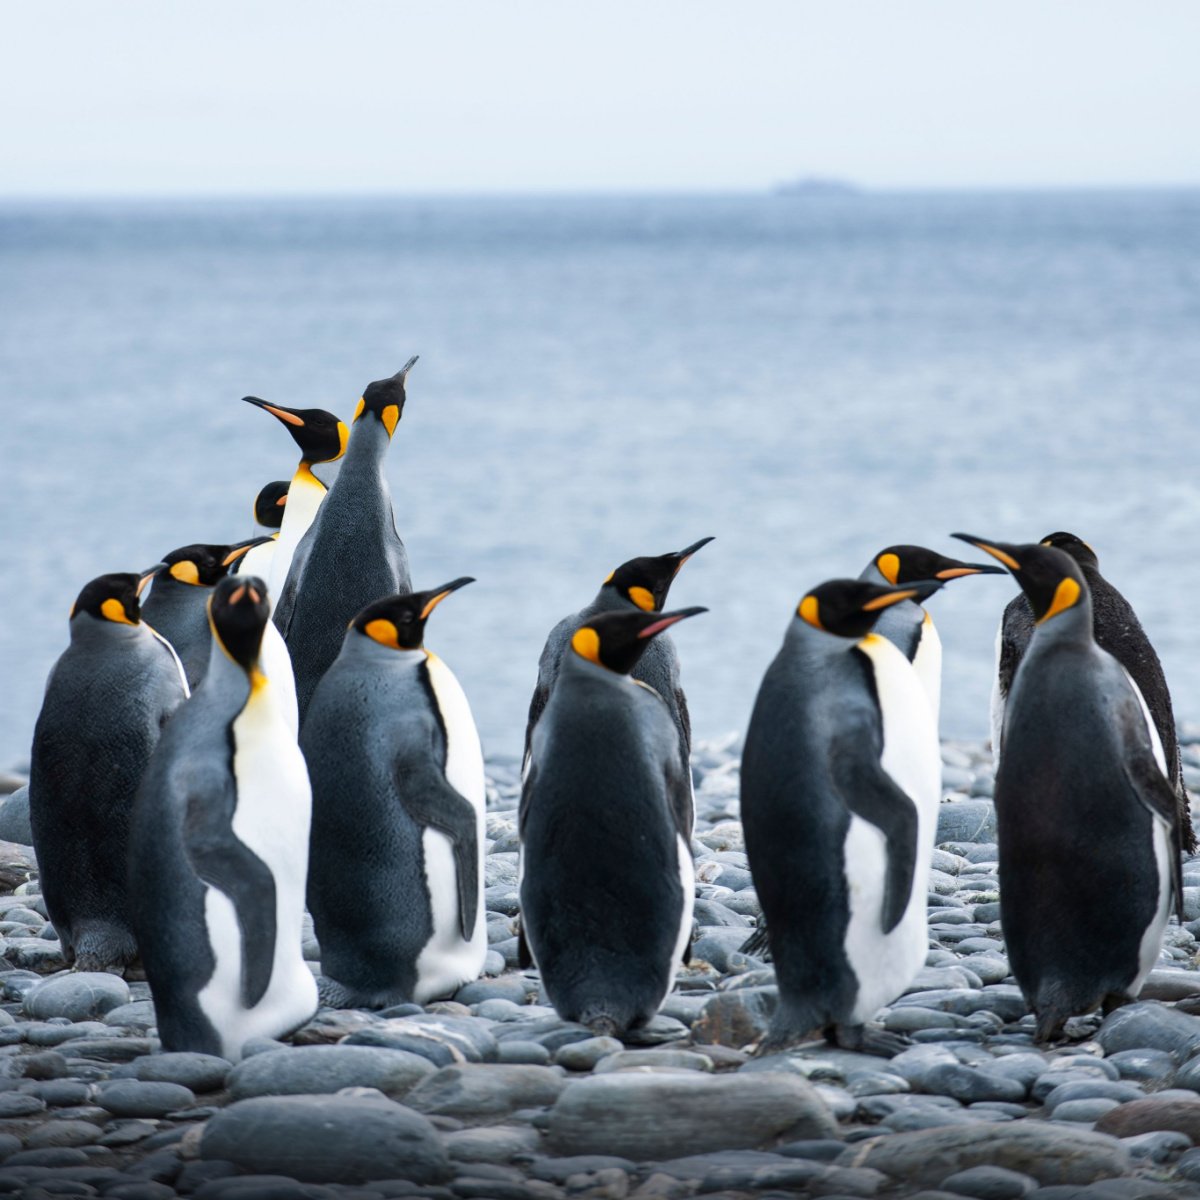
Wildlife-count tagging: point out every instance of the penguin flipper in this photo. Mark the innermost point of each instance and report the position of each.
(432, 802)
(230, 866)
(870, 793)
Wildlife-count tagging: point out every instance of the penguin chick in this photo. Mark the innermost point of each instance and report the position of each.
(907, 625)
(840, 786)
(1117, 630)
(641, 584)
(395, 879)
(268, 512)
(1087, 818)
(219, 850)
(107, 700)
(607, 883)
(352, 554)
(322, 439)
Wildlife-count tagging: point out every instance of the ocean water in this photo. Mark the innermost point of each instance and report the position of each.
(808, 379)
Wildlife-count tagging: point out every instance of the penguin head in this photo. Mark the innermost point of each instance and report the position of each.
(399, 621)
(268, 504)
(384, 399)
(645, 582)
(616, 640)
(900, 565)
(850, 607)
(114, 597)
(1076, 547)
(1050, 578)
(202, 565)
(319, 434)
(238, 611)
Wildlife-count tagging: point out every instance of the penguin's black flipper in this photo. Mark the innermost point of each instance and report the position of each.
(869, 792)
(685, 717)
(537, 705)
(432, 802)
(230, 866)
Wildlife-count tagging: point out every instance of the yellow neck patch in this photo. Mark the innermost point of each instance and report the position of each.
(185, 572)
(258, 681)
(808, 611)
(889, 567)
(1065, 596)
(642, 598)
(384, 632)
(113, 610)
(391, 418)
(586, 643)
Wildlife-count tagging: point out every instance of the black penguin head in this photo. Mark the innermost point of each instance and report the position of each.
(1050, 578)
(238, 612)
(646, 581)
(114, 597)
(268, 504)
(850, 607)
(399, 621)
(1076, 547)
(319, 434)
(384, 399)
(616, 640)
(901, 565)
(203, 565)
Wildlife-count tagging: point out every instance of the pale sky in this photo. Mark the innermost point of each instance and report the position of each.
(316, 96)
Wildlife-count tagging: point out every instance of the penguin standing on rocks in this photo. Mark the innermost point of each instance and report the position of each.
(107, 700)
(907, 625)
(268, 512)
(395, 878)
(352, 554)
(177, 606)
(322, 439)
(607, 882)
(639, 585)
(219, 850)
(840, 786)
(1086, 815)
(1117, 630)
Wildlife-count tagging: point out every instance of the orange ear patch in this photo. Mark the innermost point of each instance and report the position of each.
(586, 643)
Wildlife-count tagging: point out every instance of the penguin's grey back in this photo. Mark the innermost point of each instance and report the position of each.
(177, 611)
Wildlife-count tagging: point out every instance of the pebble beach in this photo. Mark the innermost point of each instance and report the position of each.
(490, 1095)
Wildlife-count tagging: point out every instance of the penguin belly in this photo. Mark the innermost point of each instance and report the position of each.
(927, 662)
(276, 664)
(272, 819)
(305, 494)
(257, 561)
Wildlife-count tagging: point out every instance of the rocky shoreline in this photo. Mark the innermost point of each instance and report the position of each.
(491, 1095)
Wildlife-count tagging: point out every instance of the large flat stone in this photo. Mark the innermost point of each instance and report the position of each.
(312, 1070)
(487, 1089)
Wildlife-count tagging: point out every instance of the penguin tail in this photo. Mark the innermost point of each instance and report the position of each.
(758, 944)
(102, 946)
(603, 1024)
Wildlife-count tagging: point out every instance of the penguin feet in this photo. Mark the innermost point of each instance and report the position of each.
(867, 1039)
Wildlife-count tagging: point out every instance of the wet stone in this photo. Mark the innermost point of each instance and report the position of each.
(1160, 1148)
(527, 1053)
(584, 1055)
(989, 1183)
(486, 1089)
(312, 1070)
(441, 1039)
(1150, 1025)
(133, 1098)
(78, 996)
(1083, 1111)
(62, 1133)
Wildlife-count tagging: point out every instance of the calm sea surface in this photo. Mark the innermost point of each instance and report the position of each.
(807, 379)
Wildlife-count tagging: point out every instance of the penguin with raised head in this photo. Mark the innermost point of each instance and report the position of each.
(352, 554)
(607, 881)
(639, 585)
(322, 439)
(395, 875)
(907, 625)
(268, 512)
(840, 786)
(1117, 630)
(107, 700)
(219, 850)
(177, 606)
(1086, 815)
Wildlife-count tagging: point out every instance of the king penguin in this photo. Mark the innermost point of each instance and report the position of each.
(1117, 630)
(840, 786)
(395, 877)
(322, 439)
(352, 554)
(639, 585)
(268, 512)
(177, 606)
(219, 851)
(1086, 816)
(107, 700)
(606, 877)
(907, 625)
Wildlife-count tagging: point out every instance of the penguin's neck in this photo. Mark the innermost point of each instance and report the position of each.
(225, 685)
(576, 665)
(609, 599)
(814, 645)
(365, 453)
(324, 473)
(358, 648)
(169, 596)
(88, 632)
(1072, 626)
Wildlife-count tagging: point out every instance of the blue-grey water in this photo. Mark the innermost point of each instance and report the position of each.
(807, 379)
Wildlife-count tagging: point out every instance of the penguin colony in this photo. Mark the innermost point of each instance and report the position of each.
(266, 732)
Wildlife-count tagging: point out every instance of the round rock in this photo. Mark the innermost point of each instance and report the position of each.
(989, 1183)
(78, 997)
(133, 1098)
(312, 1070)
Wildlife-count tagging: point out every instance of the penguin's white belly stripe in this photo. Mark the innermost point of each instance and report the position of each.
(304, 499)
(998, 699)
(187, 691)
(1151, 944)
(257, 561)
(928, 665)
(687, 881)
(1156, 745)
(274, 805)
(276, 664)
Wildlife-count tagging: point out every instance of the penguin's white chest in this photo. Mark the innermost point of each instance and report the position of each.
(447, 961)
(305, 494)
(258, 559)
(885, 964)
(271, 818)
(927, 662)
